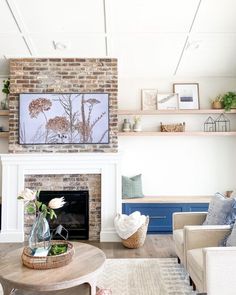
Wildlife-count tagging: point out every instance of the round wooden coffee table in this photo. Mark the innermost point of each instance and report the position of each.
(86, 264)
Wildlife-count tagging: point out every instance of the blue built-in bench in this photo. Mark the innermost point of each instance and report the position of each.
(160, 209)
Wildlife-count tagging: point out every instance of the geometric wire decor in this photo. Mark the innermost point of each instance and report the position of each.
(222, 124)
(210, 125)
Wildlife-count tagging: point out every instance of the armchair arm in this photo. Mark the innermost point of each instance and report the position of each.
(220, 275)
(204, 236)
(180, 219)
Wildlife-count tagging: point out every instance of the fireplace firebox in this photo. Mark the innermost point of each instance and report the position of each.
(74, 215)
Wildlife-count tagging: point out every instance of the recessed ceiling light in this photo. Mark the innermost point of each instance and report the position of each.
(59, 45)
(193, 45)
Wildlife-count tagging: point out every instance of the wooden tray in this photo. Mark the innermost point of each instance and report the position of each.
(48, 262)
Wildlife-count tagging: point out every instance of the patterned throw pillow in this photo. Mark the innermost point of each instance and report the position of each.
(132, 187)
(221, 211)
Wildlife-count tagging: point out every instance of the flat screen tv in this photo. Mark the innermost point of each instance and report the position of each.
(59, 118)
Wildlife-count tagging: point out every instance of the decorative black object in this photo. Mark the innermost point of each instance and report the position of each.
(210, 125)
(73, 216)
(222, 124)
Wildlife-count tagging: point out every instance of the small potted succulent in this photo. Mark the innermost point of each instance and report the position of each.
(217, 103)
(137, 124)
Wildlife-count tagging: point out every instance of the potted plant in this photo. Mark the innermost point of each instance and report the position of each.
(217, 103)
(229, 100)
(6, 90)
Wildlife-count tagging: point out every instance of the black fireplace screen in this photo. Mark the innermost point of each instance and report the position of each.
(74, 215)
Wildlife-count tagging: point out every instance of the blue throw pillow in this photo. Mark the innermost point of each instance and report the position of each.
(132, 187)
(221, 211)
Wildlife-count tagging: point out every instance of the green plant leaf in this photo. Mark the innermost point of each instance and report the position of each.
(37, 194)
(38, 204)
(229, 99)
(44, 207)
(52, 214)
(30, 209)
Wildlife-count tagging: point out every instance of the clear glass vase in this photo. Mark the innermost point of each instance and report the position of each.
(40, 234)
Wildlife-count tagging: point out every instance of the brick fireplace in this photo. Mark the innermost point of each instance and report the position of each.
(70, 182)
(21, 169)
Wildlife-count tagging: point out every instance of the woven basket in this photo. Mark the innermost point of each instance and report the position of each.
(173, 127)
(138, 238)
(48, 262)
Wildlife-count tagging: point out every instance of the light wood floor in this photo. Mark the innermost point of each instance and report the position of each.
(156, 246)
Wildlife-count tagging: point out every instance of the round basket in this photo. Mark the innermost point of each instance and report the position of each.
(48, 262)
(138, 238)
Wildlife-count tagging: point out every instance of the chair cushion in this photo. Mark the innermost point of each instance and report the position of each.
(221, 211)
(195, 262)
(178, 236)
(132, 187)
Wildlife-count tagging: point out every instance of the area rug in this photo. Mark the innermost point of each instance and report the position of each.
(151, 276)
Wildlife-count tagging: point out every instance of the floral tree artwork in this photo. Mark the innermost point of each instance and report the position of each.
(64, 118)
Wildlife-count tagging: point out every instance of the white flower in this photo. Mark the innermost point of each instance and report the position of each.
(56, 203)
(28, 195)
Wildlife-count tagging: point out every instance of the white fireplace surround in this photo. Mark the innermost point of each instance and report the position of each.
(16, 166)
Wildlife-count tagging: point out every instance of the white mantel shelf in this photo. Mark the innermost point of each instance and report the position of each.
(16, 166)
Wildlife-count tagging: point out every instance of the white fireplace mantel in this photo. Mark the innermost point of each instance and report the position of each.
(16, 166)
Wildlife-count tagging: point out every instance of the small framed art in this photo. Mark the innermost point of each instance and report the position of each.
(149, 99)
(188, 94)
(167, 101)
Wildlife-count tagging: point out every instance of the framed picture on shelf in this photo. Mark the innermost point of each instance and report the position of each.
(188, 94)
(167, 101)
(149, 99)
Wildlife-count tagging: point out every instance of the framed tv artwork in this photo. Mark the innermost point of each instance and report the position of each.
(63, 118)
(188, 95)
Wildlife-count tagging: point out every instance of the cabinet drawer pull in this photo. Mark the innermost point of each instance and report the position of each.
(157, 217)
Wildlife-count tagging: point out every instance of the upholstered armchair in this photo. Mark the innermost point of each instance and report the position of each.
(211, 268)
(180, 220)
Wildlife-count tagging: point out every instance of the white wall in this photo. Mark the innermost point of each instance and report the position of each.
(179, 165)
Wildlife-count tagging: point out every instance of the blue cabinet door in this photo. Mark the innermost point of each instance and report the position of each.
(199, 208)
(160, 215)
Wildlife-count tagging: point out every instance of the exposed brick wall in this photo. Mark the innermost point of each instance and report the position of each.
(73, 182)
(63, 75)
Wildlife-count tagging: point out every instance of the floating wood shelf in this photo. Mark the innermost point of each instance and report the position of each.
(4, 134)
(174, 112)
(4, 112)
(187, 133)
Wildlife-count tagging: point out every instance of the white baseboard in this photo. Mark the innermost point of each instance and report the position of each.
(11, 237)
(109, 236)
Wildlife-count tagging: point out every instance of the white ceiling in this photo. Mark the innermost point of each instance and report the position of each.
(150, 38)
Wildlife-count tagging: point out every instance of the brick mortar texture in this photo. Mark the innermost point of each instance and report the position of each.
(73, 182)
(64, 75)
